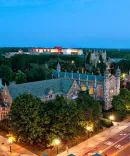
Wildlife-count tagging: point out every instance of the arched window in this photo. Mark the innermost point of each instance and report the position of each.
(91, 91)
(100, 93)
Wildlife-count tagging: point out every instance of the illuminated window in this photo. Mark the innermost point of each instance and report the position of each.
(91, 91)
(37, 50)
(40, 50)
(100, 92)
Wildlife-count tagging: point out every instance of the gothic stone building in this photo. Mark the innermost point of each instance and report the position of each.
(95, 56)
(45, 90)
(100, 87)
(63, 83)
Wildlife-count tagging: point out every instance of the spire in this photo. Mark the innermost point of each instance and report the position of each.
(58, 67)
(118, 72)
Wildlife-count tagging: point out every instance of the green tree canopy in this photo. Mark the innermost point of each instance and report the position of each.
(90, 109)
(25, 118)
(6, 74)
(20, 77)
(118, 103)
(63, 117)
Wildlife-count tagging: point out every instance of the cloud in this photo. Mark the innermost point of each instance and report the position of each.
(11, 3)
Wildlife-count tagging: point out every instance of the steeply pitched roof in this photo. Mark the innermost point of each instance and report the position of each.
(41, 88)
(76, 75)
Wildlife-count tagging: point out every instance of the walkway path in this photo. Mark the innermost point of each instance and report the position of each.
(16, 149)
(82, 148)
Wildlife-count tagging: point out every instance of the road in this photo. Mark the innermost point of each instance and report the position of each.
(117, 145)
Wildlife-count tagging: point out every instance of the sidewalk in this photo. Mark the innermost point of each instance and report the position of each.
(83, 147)
(16, 149)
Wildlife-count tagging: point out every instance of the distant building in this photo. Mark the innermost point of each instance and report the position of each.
(95, 56)
(113, 60)
(127, 77)
(56, 50)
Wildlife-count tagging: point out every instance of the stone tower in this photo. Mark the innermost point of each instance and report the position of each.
(106, 90)
(104, 55)
(58, 68)
(118, 73)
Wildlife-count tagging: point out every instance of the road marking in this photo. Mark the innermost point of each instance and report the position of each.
(115, 142)
(108, 143)
(115, 154)
(118, 146)
(122, 134)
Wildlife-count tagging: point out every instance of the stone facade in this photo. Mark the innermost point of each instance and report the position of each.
(95, 56)
(45, 90)
(5, 102)
(99, 87)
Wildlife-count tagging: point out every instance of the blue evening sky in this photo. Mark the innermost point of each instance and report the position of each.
(67, 23)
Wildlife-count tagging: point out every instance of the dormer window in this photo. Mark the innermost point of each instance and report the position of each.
(74, 85)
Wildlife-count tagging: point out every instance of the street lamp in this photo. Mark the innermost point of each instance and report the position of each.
(111, 118)
(57, 142)
(10, 140)
(88, 128)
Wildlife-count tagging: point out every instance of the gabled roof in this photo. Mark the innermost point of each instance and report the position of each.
(76, 75)
(41, 88)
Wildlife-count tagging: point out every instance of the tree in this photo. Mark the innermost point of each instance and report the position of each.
(20, 77)
(6, 74)
(101, 66)
(118, 103)
(63, 117)
(90, 109)
(25, 118)
(37, 74)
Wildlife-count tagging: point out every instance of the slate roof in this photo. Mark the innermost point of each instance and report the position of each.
(116, 60)
(76, 76)
(41, 88)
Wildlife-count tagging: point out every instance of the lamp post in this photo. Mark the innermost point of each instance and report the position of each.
(10, 140)
(111, 118)
(88, 128)
(57, 142)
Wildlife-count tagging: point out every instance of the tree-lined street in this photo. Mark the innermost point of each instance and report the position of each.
(104, 142)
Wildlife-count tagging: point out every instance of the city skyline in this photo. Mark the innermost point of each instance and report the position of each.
(70, 23)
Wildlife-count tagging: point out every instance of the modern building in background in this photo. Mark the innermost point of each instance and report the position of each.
(56, 50)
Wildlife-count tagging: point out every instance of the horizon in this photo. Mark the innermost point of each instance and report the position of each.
(86, 23)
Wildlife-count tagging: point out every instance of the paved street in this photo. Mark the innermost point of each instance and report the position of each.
(16, 149)
(108, 141)
(115, 145)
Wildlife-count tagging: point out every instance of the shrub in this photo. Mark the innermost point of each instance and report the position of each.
(105, 122)
(119, 116)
